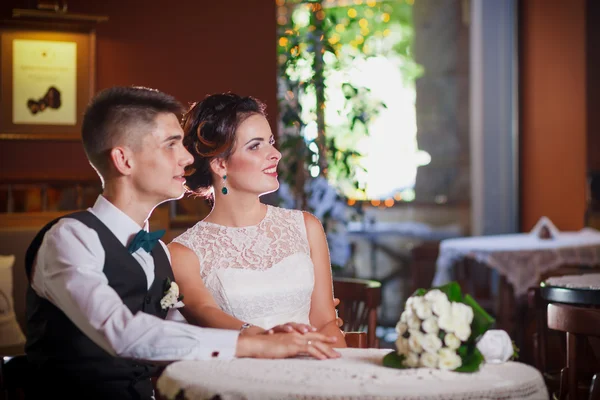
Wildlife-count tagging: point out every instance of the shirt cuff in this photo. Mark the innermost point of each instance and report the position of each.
(217, 344)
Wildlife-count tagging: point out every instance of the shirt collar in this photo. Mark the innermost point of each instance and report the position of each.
(120, 224)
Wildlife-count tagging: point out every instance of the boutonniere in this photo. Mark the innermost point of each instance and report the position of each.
(172, 298)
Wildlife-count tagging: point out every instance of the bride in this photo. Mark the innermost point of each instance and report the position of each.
(248, 265)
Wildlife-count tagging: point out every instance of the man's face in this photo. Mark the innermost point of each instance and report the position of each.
(160, 161)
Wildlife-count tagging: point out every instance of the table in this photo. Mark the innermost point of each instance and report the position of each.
(581, 289)
(522, 258)
(374, 231)
(358, 374)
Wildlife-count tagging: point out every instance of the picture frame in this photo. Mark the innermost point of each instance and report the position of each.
(47, 78)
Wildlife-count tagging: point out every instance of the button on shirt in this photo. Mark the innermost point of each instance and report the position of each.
(69, 273)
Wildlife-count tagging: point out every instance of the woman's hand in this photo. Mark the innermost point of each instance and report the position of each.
(291, 327)
(287, 345)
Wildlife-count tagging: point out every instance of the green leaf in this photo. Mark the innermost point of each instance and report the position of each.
(463, 351)
(452, 290)
(471, 362)
(482, 321)
(167, 284)
(394, 360)
(419, 292)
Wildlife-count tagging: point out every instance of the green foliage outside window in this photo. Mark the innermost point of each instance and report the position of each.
(317, 40)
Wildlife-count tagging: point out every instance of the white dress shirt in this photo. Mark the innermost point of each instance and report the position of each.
(69, 273)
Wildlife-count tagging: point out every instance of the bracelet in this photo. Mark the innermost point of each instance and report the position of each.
(245, 326)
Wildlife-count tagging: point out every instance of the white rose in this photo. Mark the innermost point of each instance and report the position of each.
(411, 360)
(414, 322)
(429, 360)
(402, 347)
(462, 331)
(452, 341)
(414, 341)
(441, 306)
(430, 325)
(174, 288)
(495, 346)
(404, 316)
(446, 322)
(409, 302)
(401, 327)
(448, 359)
(434, 295)
(416, 301)
(431, 343)
(462, 312)
(423, 309)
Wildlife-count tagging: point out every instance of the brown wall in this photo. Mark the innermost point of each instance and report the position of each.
(189, 50)
(593, 84)
(553, 112)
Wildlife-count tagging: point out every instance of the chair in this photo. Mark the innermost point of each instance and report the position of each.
(592, 211)
(423, 257)
(539, 340)
(577, 323)
(359, 300)
(13, 377)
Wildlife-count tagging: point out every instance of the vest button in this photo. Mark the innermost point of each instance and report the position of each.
(148, 299)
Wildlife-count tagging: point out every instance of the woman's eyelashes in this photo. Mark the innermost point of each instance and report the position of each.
(256, 145)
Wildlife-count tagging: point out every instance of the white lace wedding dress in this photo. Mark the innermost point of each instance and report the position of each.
(260, 274)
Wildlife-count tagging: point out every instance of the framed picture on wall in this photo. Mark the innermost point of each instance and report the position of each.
(47, 78)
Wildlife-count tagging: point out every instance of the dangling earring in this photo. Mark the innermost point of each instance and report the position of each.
(224, 188)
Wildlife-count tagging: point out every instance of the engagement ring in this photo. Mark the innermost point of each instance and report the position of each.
(309, 343)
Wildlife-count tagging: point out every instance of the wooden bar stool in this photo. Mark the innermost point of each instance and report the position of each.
(577, 323)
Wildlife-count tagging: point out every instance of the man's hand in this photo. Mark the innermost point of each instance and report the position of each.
(284, 345)
(338, 320)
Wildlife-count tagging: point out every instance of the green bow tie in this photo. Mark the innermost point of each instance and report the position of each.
(145, 240)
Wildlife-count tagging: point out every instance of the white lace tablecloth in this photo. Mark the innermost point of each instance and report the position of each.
(358, 374)
(584, 281)
(523, 257)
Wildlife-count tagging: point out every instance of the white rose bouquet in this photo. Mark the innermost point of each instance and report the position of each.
(439, 328)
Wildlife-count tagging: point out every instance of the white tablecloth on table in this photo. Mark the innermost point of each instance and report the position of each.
(357, 375)
(523, 257)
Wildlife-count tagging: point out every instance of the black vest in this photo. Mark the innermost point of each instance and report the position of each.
(61, 355)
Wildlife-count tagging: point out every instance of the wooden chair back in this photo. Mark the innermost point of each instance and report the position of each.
(577, 323)
(359, 301)
(423, 257)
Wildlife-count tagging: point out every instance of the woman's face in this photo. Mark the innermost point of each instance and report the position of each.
(252, 166)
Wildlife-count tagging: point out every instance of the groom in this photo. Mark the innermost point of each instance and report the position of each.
(99, 281)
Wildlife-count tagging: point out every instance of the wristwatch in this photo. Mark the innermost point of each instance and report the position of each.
(245, 326)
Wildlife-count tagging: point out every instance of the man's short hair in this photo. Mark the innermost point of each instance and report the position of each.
(119, 116)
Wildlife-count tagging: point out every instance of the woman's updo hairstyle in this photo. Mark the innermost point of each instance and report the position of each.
(209, 127)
